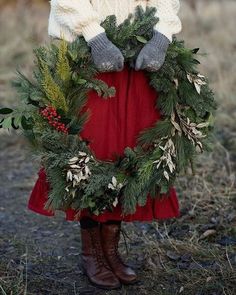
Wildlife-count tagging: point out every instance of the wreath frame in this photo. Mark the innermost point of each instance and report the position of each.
(50, 116)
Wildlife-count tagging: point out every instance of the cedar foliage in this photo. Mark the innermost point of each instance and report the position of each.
(63, 75)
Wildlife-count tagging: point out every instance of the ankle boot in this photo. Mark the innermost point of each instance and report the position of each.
(110, 241)
(93, 261)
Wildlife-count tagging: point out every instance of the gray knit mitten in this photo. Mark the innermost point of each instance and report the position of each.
(106, 56)
(152, 55)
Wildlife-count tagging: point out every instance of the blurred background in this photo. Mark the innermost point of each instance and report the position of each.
(195, 254)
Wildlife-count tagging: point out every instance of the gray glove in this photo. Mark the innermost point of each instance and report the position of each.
(106, 56)
(152, 55)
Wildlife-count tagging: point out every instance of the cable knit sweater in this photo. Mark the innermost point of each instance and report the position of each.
(69, 18)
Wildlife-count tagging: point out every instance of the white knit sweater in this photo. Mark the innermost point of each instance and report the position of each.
(69, 18)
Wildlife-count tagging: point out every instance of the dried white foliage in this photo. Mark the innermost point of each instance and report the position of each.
(114, 185)
(77, 171)
(183, 125)
(167, 159)
(198, 81)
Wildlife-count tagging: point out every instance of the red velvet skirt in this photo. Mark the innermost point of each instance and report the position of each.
(114, 124)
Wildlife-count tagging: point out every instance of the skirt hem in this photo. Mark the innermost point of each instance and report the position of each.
(104, 219)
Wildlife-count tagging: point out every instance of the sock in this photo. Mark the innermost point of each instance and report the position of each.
(87, 222)
(112, 222)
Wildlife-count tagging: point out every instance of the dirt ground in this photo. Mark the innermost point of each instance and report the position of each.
(193, 255)
(40, 255)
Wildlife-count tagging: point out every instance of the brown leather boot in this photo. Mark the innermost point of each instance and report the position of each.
(93, 261)
(110, 241)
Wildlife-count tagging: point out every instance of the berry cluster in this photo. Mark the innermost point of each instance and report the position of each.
(53, 118)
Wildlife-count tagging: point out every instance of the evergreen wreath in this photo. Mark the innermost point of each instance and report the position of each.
(51, 117)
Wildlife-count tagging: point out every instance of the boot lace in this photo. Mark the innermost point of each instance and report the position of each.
(115, 252)
(98, 251)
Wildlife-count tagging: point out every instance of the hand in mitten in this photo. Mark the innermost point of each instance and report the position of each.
(106, 56)
(152, 55)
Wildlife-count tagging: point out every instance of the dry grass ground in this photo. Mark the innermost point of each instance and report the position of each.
(193, 255)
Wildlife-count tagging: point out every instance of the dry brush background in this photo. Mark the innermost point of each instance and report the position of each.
(195, 254)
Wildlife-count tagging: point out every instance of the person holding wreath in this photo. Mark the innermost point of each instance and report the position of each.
(114, 124)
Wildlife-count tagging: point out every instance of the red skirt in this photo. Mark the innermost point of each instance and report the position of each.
(114, 124)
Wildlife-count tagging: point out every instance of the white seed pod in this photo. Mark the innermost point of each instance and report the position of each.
(114, 181)
(73, 160)
(115, 203)
(87, 170)
(82, 154)
(197, 87)
(176, 81)
(111, 186)
(75, 166)
(69, 176)
(166, 175)
(73, 192)
(87, 159)
(203, 125)
(162, 148)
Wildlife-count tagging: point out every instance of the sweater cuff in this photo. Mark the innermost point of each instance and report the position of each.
(164, 30)
(168, 30)
(92, 30)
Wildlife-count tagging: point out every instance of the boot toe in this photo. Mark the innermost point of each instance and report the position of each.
(128, 277)
(106, 281)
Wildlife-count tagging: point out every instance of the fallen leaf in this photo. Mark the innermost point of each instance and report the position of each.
(207, 233)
